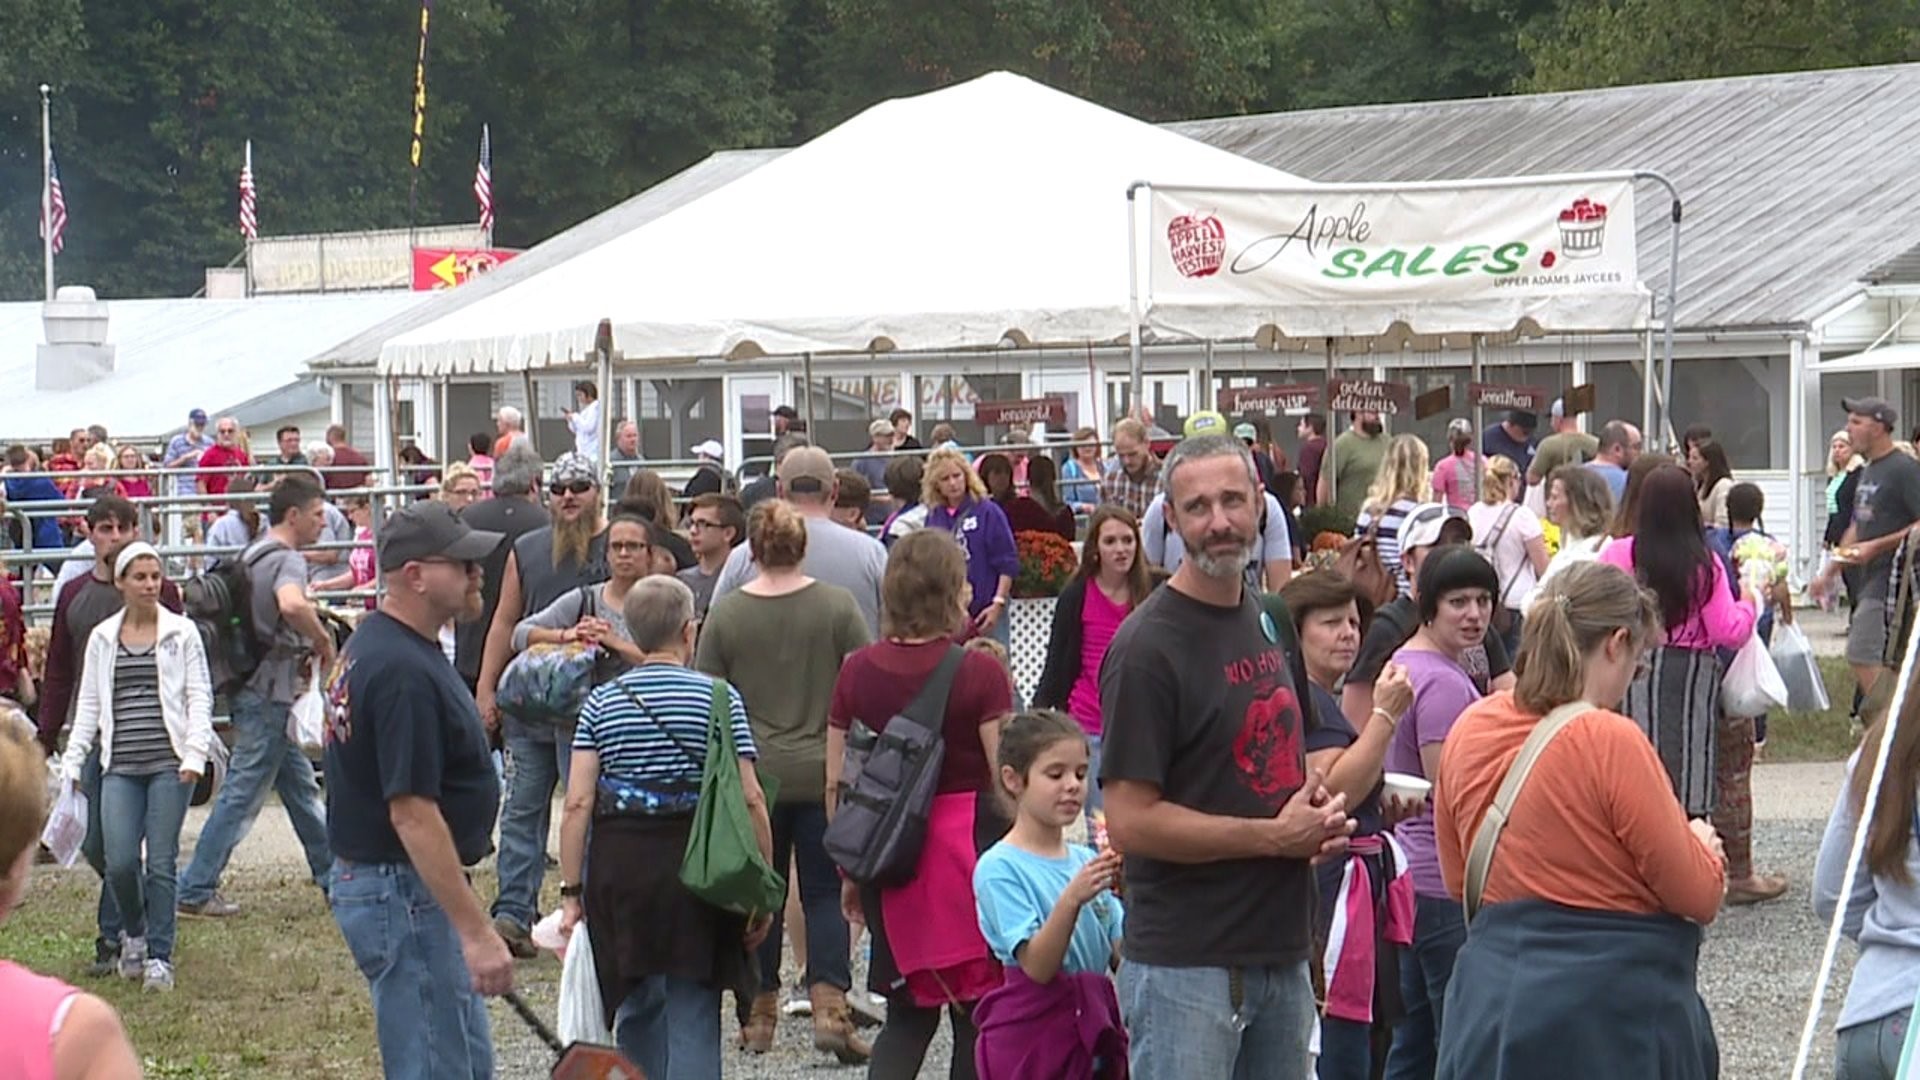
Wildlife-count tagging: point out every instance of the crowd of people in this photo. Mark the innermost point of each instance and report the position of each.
(1258, 818)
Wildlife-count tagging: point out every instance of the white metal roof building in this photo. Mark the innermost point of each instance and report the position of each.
(243, 357)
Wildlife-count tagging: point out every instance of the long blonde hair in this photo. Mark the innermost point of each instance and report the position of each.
(1406, 472)
(938, 464)
(1576, 611)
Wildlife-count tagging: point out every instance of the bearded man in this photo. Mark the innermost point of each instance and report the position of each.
(543, 566)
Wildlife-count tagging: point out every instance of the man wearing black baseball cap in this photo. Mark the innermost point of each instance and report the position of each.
(1886, 503)
(411, 799)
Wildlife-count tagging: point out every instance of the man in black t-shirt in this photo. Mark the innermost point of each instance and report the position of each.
(1208, 796)
(411, 798)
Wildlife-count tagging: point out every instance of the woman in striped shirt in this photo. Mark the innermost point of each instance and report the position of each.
(662, 955)
(147, 699)
(1403, 483)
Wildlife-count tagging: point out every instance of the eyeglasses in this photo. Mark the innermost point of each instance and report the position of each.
(627, 547)
(696, 524)
(572, 487)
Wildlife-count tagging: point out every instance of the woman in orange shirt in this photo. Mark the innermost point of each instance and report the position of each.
(1582, 958)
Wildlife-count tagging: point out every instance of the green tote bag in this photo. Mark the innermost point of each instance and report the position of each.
(723, 865)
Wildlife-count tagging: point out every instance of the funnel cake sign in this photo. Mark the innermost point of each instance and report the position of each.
(1349, 261)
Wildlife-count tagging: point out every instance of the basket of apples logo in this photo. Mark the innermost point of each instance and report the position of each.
(1583, 228)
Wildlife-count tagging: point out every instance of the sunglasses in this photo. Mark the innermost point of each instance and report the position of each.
(572, 487)
(627, 547)
(469, 565)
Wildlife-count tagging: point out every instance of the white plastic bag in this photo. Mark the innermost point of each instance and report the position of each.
(1793, 656)
(66, 825)
(546, 934)
(307, 719)
(581, 1017)
(1752, 685)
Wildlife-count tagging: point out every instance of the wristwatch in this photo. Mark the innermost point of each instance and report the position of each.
(999, 601)
(571, 892)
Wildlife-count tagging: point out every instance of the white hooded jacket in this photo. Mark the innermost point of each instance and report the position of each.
(186, 694)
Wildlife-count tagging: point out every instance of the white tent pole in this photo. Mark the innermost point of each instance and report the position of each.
(1333, 424)
(1673, 296)
(1136, 378)
(806, 396)
(1882, 754)
(603, 377)
(1479, 363)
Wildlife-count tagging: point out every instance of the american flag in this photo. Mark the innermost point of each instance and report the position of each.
(54, 219)
(249, 224)
(483, 181)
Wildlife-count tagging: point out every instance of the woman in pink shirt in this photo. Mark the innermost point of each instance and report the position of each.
(48, 1030)
(1453, 477)
(1113, 579)
(1677, 700)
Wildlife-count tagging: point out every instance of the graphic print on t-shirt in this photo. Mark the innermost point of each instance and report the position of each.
(1267, 749)
(339, 703)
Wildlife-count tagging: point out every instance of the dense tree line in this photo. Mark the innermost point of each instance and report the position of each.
(593, 100)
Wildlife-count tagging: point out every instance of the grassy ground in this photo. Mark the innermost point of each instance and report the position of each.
(1821, 736)
(269, 994)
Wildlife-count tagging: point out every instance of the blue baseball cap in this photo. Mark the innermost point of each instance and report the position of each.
(198, 418)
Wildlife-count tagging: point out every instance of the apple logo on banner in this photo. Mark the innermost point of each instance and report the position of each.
(1198, 243)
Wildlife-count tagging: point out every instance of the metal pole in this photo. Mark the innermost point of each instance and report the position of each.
(532, 415)
(1208, 398)
(1326, 462)
(603, 377)
(806, 396)
(1647, 418)
(1479, 363)
(1673, 296)
(46, 184)
(1136, 376)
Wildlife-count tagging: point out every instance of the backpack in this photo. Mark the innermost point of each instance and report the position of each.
(220, 603)
(887, 791)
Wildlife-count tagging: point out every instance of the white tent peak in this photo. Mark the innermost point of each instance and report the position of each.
(988, 210)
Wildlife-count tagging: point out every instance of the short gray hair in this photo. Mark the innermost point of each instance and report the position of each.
(511, 415)
(517, 469)
(657, 610)
(1201, 447)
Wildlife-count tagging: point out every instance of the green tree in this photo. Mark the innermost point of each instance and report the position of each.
(1619, 42)
(38, 40)
(1345, 52)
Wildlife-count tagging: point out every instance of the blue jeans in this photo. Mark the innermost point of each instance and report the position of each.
(430, 1023)
(800, 829)
(263, 759)
(670, 1027)
(1426, 966)
(1094, 744)
(94, 849)
(537, 766)
(1871, 1051)
(136, 810)
(1217, 1023)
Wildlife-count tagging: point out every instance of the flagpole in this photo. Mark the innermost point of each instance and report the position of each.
(487, 142)
(247, 171)
(46, 184)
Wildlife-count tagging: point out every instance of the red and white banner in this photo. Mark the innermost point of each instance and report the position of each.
(443, 268)
(1554, 254)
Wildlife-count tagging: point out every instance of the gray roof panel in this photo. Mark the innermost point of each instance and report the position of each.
(1795, 186)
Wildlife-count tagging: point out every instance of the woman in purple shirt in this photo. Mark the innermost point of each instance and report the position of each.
(957, 503)
(1456, 593)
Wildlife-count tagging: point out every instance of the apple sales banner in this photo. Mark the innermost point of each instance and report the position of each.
(1552, 255)
(443, 268)
(1051, 411)
(1271, 400)
(1531, 399)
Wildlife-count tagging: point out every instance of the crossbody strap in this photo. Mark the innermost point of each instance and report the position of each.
(696, 762)
(929, 706)
(1487, 837)
(1493, 550)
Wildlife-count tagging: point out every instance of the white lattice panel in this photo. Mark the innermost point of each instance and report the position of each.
(1029, 625)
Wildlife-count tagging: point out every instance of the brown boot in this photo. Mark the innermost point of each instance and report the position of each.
(833, 1026)
(757, 1036)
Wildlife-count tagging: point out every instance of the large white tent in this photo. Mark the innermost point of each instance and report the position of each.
(995, 209)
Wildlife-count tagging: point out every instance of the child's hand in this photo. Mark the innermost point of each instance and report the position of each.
(1094, 879)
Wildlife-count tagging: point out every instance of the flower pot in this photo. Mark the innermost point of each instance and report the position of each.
(1029, 626)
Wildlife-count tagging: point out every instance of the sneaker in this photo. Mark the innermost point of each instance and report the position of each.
(214, 907)
(133, 957)
(106, 961)
(798, 1003)
(159, 976)
(519, 941)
